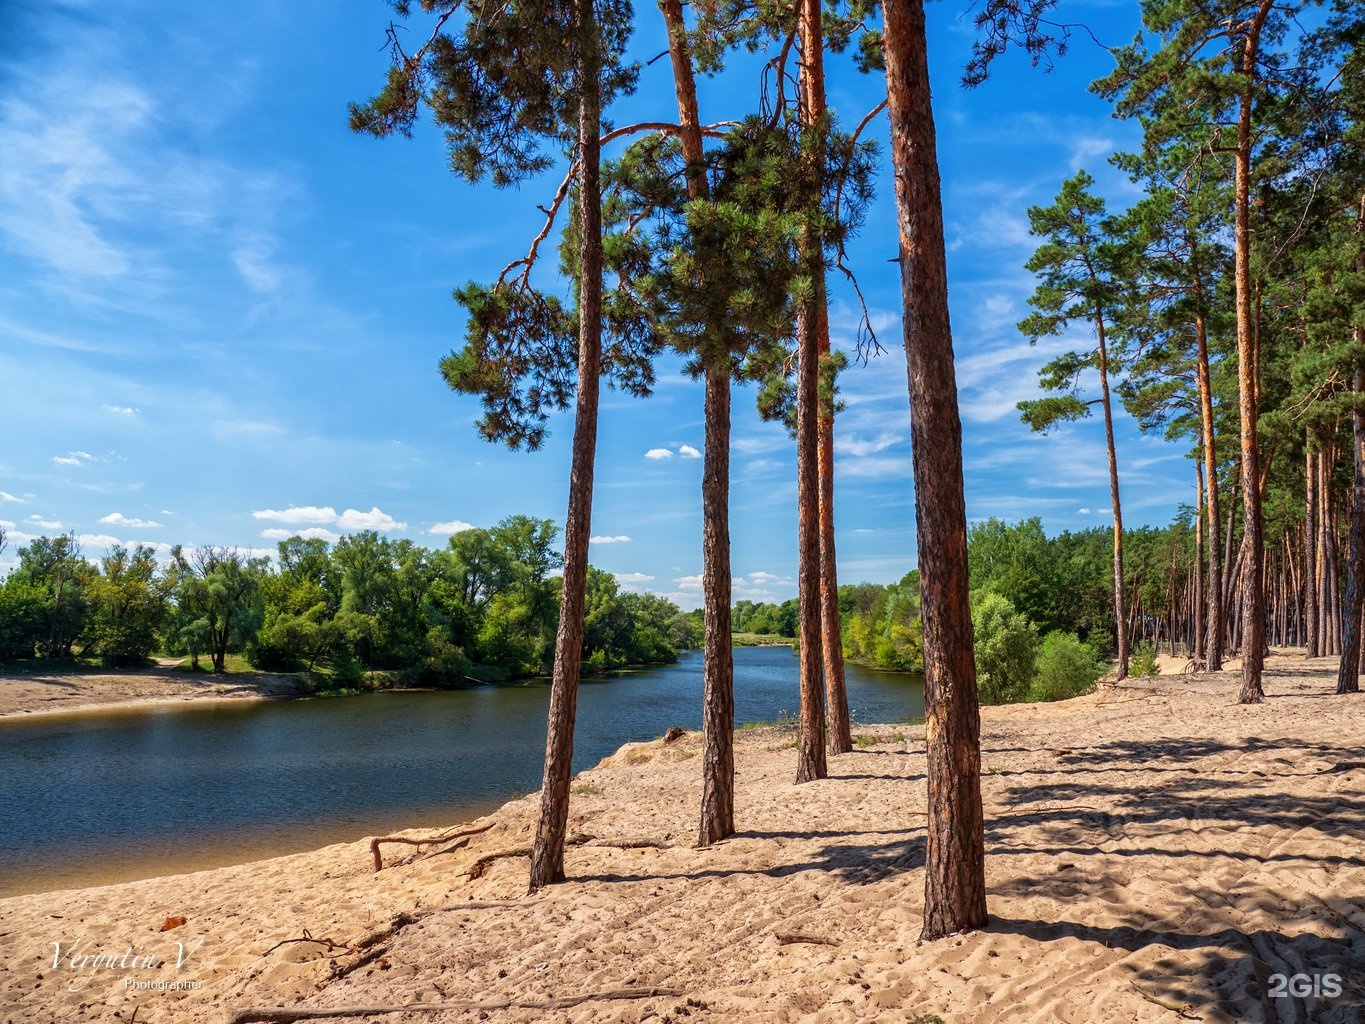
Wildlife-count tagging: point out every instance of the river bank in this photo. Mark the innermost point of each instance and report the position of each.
(1153, 849)
(38, 692)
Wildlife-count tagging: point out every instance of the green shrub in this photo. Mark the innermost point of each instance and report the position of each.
(1006, 647)
(1142, 662)
(1066, 667)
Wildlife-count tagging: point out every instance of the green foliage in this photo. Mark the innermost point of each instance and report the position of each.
(24, 617)
(1065, 668)
(881, 625)
(1143, 661)
(1005, 644)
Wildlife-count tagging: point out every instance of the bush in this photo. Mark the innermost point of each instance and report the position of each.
(1066, 668)
(1142, 662)
(1006, 647)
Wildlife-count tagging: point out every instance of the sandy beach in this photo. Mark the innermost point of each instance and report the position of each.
(39, 692)
(1155, 852)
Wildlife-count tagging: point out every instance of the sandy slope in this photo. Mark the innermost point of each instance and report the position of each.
(1151, 847)
(35, 693)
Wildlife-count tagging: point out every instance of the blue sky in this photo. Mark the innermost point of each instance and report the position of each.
(221, 313)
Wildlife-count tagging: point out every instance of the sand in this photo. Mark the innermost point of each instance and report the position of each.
(1155, 852)
(28, 694)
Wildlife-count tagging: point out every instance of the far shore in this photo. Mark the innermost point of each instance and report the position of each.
(41, 693)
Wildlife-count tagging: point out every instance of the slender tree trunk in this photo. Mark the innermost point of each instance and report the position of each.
(1214, 649)
(1121, 625)
(832, 640)
(1248, 385)
(955, 866)
(813, 109)
(811, 745)
(1348, 679)
(547, 853)
(1310, 550)
(1328, 610)
(1199, 648)
(718, 692)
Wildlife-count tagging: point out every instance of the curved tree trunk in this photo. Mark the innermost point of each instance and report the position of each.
(811, 745)
(718, 692)
(547, 852)
(832, 640)
(955, 860)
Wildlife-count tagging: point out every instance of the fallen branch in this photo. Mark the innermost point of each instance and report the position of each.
(331, 945)
(448, 837)
(1183, 1009)
(260, 1015)
(788, 938)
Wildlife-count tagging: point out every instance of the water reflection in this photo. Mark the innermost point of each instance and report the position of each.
(117, 795)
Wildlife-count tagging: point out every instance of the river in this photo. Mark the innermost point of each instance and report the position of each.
(115, 795)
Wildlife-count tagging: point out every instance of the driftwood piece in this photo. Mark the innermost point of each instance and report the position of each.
(448, 837)
(329, 943)
(280, 1015)
(788, 938)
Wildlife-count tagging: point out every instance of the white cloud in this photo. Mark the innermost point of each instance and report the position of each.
(73, 459)
(658, 453)
(351, 519)
(632, 579)
(688, 582)
(621, 539)
(122, 410)
(451, 527)
(6, 496)
(688, 452)
(1082, 511)
(859, 447)
(119, 519)
(45, 524)
(311, 533)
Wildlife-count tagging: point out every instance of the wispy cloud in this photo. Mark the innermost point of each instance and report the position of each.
(6, 496)
(686, 451)
(73, 459)
(658, 453)
(122, 410)
(45, 524)
(119, 519)
(619, 539)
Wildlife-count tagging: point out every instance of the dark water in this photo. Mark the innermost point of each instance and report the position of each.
(108, 796)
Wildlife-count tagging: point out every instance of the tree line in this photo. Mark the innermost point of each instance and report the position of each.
(483, 608)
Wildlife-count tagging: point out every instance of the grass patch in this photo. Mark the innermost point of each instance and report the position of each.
(233, 664)
(784, 720)
(588, 789)
(866, 740)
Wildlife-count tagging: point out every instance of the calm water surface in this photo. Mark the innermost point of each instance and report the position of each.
(108, 796)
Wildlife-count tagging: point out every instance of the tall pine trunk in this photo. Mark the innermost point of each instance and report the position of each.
(547, 852)
(1348, 679)
(811, 745)
(718, 671)
(1310, 550)
(813, 109)
(1120, 621)
(955, 859)
(1214, 644)
(1248, 383)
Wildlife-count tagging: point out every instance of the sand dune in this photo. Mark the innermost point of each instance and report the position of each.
(1155, 853)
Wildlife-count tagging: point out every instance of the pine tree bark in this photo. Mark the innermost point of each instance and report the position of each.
(1214, 644)
(1248, 382)
(1348, 677)
(1198, 641)
(811, 762)
(1120, 620)
(955, 872)
(547, 852)
(1310, 550)
(718, 690)
(813, 108)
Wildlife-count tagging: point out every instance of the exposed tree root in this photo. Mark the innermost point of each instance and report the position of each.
(446, 838)
(788, 938)
(261, 1015)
